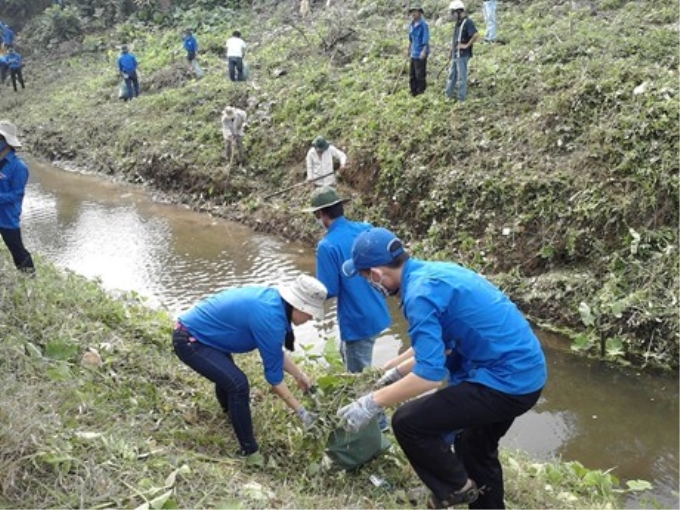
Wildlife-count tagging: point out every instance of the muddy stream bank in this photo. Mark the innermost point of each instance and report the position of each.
(605, 417)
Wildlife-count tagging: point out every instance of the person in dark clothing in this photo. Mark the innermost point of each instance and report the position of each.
(15, 65)
(4, 69)
(13, 179)
(127, 65)
(418, 50)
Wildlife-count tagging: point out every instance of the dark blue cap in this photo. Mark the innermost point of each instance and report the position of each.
(372, 248)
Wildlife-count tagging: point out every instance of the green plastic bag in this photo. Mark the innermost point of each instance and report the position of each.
(351, 450)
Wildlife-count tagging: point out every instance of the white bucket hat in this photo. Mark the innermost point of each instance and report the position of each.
(307, 294)
(9, 131)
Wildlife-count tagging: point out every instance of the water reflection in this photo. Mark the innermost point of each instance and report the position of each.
(603, 417)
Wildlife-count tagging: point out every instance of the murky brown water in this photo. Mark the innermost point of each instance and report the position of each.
(604, 417)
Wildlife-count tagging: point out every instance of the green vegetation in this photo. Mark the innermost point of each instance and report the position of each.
(97, 412)
(558, 178)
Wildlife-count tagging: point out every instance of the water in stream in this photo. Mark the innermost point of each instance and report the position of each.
(605, 417)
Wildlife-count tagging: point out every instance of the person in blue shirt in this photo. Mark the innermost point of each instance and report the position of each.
(464, 328)
(7, 36)
(362, 313)
(464, 36)
(246, 319)
(13, 179)
(15, 64)
(190, 44)
(127, 65)
(418, 50)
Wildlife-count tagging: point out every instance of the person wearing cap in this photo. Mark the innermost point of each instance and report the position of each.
(320, 158)
(15, 65)
(464, 36)
(241, 320)
(190, 44)
(235, 53)
(489, 7)
(418, 50)
(13, 179)
(234, 123)
(464, 328)
(127, 65)
(362, 313)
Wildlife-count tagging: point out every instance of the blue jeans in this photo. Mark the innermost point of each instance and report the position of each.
(235, 64)
(490, 20)
(132, 85)
(357, 354)
(458, 74)
(231, 384)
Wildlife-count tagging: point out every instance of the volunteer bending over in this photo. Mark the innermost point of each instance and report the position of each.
(242, 320)
(463, 327)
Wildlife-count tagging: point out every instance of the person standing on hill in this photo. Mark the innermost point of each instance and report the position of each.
(362, 312)
(208, 337)
(15, 65)
(490, 21)
(190, 44)
(127, 65)
(418, 50)
(4, 69)
(462, 327)
(234, 122)
(320, 158)
(13, 179)
(7, 37)
(235, 53)
(464, 36)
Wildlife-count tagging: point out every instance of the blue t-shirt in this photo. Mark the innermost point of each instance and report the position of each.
(14, 60)
(362, 312)
(127, 63)
(190, 43)
(7, 36)
(450, 307)
(13, 179)
(419, 37)
(242, 320)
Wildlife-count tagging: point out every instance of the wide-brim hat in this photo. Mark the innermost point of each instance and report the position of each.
(416, 8)
(229, 112)
(9, 132)
(307, 294)
(324, 197)
(320, 143)
(374, 247)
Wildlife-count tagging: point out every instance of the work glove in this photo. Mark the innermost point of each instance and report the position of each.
(389, 377)
(359, 413)
(306, 417)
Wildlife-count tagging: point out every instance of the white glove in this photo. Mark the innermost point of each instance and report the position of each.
(306, 417)
(359, 413)
(389, 377)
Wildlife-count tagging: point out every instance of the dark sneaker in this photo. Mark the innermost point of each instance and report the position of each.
(466, 497)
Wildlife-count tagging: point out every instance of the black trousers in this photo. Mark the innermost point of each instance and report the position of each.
(483, 416)
(235, 68)
(16, 74)
(418, 76)
(22, 258)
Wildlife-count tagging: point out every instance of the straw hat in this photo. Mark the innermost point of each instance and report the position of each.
(9, 131)
(307, 294)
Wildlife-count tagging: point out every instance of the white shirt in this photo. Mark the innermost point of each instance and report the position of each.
(234, 126)
(318, 166)
(235, 47)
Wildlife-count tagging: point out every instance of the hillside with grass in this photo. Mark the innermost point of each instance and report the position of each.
(557, 178)
(97, 412)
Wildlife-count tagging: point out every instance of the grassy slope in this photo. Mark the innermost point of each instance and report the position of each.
(142, 428)
(557, 177)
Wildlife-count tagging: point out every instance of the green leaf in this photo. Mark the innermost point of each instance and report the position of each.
(586, 314)
(639, 485)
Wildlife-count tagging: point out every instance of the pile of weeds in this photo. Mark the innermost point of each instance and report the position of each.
(557, 178)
